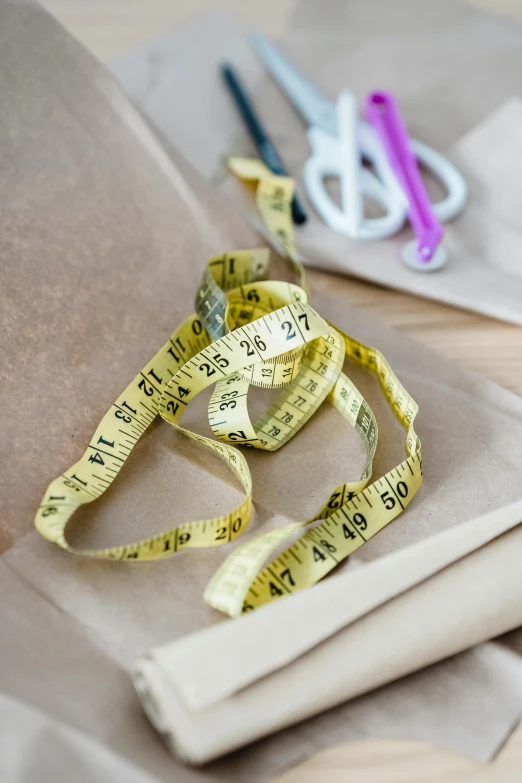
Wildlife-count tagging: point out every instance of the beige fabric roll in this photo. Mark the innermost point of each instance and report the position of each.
(220, 689)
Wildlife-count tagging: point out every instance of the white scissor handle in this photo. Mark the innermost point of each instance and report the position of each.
(457, 192)
(451, 206)
(340, 157)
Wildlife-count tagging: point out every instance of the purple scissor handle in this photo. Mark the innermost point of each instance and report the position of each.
(383, 113)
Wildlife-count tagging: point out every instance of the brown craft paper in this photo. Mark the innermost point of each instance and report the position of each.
(450, 66)
(104, 236)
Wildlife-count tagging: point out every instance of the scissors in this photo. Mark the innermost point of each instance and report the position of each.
(340, 141)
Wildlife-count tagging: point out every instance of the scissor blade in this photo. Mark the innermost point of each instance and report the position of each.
(314, 107)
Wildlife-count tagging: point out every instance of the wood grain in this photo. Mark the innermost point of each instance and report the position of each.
(492, 348)
(400, 761)
(108, 27)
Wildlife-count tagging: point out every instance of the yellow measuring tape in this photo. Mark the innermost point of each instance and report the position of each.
(248, 331)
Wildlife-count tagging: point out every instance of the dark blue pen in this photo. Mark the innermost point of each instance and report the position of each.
(264, 145)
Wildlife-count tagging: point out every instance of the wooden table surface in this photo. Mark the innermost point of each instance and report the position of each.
(109, 27)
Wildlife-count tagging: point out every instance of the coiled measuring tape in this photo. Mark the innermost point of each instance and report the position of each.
(249, 331)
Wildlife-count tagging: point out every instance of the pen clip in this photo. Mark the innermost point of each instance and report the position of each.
(383, 113)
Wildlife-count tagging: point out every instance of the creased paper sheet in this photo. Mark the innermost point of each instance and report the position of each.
(450, 66)
(104, 236)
